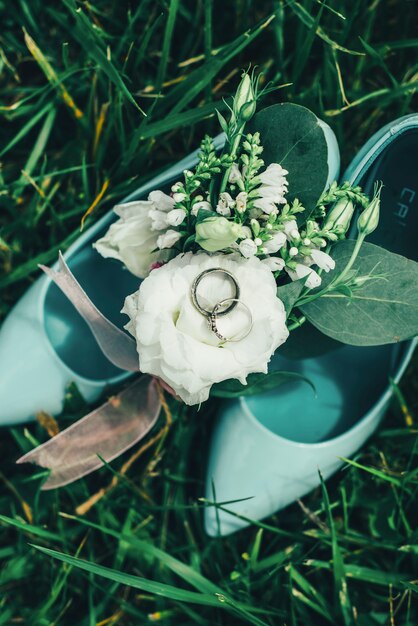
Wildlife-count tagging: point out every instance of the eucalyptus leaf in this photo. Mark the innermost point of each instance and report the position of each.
(382, 307)
(292, 136)
(256, 383)
(290, 293)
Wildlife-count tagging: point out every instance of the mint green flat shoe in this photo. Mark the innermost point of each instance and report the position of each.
(45, 344)
(267, 449)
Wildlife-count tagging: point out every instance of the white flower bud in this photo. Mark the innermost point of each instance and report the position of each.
(258, 241)
(234, 174)
(293, 251)
(168, 239)
(241, 202)
(322, 260)
(276, 242)
(202, 205)
(248, 248)
(274, 263)
(179, 197)
(176, 217)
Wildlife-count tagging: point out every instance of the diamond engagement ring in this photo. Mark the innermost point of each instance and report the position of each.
(212, 320)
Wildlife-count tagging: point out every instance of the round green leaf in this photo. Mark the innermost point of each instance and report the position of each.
(291, 135)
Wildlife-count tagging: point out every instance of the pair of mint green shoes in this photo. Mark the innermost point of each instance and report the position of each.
(266, 449)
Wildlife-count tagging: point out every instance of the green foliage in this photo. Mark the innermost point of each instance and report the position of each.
(291, 136)
(256, 383)
(380, 307)
(354, 64)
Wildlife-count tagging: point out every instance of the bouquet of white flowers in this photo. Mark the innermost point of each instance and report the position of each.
(250, 245)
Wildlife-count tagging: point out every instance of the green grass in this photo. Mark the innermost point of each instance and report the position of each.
(95, 97)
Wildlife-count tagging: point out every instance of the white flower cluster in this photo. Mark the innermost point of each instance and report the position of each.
(144, 227)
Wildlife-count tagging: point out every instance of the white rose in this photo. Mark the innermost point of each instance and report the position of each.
(130, 239)
(277, 241)
(248, 248)
(168, 239)
(176, 217)
(173, 339)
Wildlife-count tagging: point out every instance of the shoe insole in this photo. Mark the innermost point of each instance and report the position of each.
(350, 380)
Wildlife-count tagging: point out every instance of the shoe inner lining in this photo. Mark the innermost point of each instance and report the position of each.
(350, 380)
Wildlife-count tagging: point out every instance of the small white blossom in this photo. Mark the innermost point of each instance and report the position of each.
(234, 175)
(322, 260)
(266, 205)
(176, 187)
(225, 204)
(258, 241)
(179, 197)
(168, 239)
(246, 232)
(158, 219)
(290, 226)
(162, 204)
(274, 263)
(202, 205)
(277, 241)
(241, 202)
(176, 217)
(293, 251)
(248, 248)
(272, 174)
(313, 279)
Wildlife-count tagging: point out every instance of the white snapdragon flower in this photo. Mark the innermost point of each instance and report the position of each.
(273, 174)
(202, 205)
(274, 263)
(266, 205)
(176, 217)
(322, 260)
(241, 202)
(234, 174)
(248, 248)
(313, 279)
(173, 339)
(225, 204)
(162, 204)
(273, 188)
(132, 239)
(168, 239)
(277, 241)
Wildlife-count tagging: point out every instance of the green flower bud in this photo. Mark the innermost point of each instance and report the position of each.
(244, 101)
(339, 218)
(216, 233)
(369, 218)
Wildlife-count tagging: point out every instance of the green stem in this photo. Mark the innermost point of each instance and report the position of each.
(339, 279)
(297, 324)
(233, 151)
